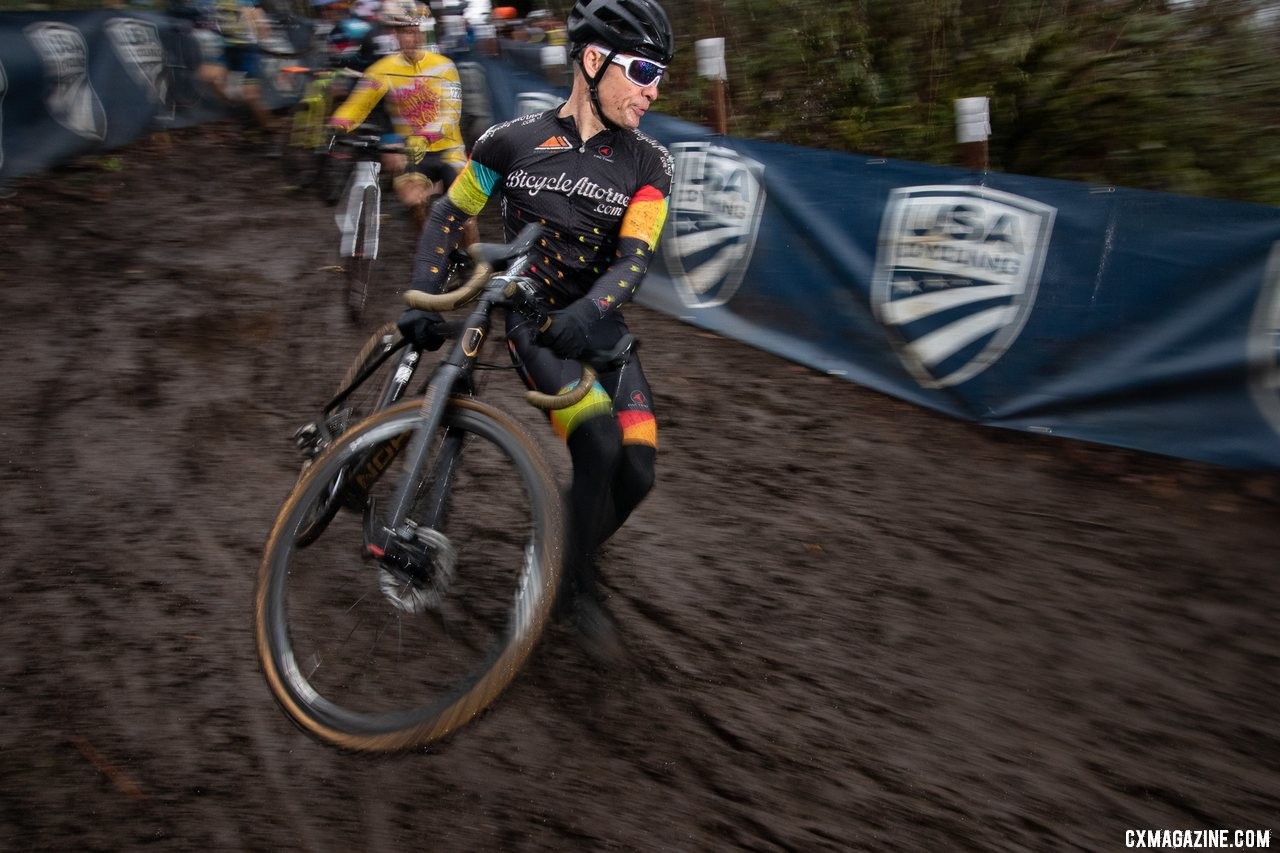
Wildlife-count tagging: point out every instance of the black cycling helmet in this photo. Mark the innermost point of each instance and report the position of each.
(638, 27)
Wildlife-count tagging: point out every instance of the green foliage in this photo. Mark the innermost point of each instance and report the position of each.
(1174, 96)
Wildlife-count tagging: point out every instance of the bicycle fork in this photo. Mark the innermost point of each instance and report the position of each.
(348, 219)
(396, 539)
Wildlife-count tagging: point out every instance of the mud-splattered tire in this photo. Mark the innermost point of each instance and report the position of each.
(343, 654)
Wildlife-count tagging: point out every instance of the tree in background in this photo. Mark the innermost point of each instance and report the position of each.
(1174, 95)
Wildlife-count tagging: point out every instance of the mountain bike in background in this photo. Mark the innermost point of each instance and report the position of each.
(359, 216)
(414, 565)
(304, 144)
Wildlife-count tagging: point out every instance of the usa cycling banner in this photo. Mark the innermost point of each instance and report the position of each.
(1131, 318)
(1139, 319)
(67, 88)
(78, 82)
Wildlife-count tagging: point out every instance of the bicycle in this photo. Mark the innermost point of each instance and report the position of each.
(360, 219)
(304, 145)
(457, 515)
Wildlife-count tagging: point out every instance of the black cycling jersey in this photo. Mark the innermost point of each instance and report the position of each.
(602, 203)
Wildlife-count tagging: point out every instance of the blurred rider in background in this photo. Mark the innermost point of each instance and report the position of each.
(243, 27)
(423, 97)
(380, 40)
(600, 189)
(344, 31)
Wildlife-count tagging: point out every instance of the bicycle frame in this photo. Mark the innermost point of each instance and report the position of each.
(394, 390)
(390, 536)
(453, 370)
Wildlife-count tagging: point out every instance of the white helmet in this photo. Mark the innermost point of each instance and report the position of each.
(404, 13)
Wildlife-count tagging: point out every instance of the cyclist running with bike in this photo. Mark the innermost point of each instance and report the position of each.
(423, 97)
(600, 188)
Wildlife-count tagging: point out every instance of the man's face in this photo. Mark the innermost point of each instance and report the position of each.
(409, 38)
(623, 101)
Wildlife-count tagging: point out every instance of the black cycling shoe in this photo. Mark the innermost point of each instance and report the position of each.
(596, 631)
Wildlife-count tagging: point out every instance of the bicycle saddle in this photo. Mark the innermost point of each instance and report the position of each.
(498, 255)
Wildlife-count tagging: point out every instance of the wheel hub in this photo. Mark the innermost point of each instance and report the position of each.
(415, 570)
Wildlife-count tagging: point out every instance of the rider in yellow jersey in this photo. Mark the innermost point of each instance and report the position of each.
(423, 97)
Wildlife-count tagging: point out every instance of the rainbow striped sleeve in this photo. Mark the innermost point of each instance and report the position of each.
(638, 428)
(645, 216)
(473, 187)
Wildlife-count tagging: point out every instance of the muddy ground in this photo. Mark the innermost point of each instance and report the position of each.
(851, 623)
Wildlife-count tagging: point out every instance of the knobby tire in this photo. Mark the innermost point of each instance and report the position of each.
(350, 665)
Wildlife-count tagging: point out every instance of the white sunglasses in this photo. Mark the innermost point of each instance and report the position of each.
(640, 71)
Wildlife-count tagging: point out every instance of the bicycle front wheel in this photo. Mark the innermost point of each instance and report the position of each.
(360, 264)
(369, 655)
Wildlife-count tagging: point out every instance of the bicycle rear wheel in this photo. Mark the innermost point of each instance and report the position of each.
(361, 263)
(361, 402)
(368, 658)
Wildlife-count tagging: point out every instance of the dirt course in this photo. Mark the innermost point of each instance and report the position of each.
(851, 623)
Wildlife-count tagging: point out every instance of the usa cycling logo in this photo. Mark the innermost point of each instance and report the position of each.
(1264, 344)
(956, 276)
(717, 198)
(69, 96)
(137, 43)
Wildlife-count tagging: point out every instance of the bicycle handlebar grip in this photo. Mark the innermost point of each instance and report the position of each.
(454, 298)
(548, 402)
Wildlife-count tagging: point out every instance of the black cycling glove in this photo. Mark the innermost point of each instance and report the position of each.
(422, 328)
(567, 334)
